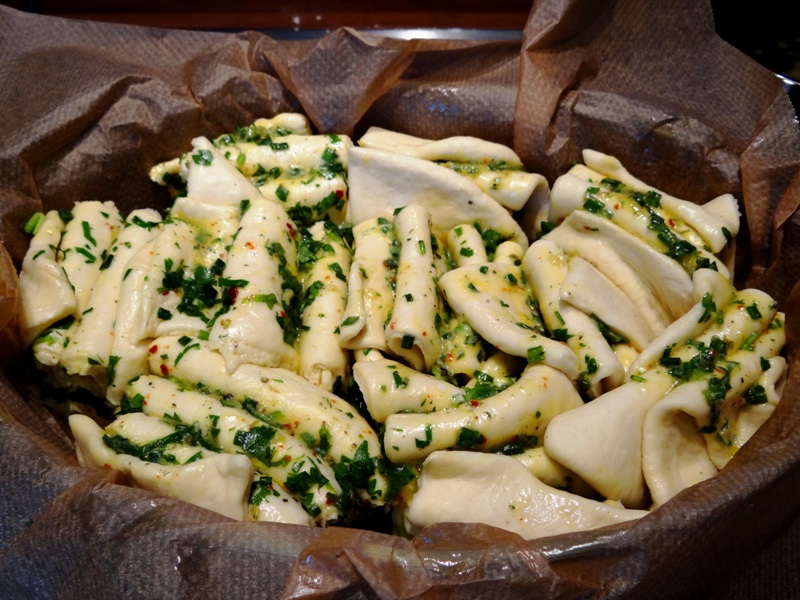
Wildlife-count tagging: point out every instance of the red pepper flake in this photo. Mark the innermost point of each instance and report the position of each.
(339, 193)
(153, 349)
(164, 370)
(616, 206)
(474, 403)
(249, 245)
(233, 292)
(291, 229)
(165, 293)
(671, 223)
(424, 334)
(283, 314)
(449, 357)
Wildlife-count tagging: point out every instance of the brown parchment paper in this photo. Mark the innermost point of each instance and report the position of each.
(86, 109)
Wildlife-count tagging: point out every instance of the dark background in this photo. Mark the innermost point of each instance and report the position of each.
(766, 30)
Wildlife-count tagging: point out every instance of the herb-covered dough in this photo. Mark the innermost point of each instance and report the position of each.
(321, 328)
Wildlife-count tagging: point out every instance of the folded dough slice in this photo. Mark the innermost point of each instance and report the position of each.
(602, 441)
(710, 289)
(283, 397)
(750, 387)
(648, 277)
(274, 453)
(370, 294)
(651, 224)
(466, 245)
(542, 466)
(154, 307)
(694, 430)
(212, 179)
(219, 482)
(390, 387)
(381, 181)
(89, 350)
(674, 453)
(84, 247)
(130, 341)
(463, 350)
(411, 331)
(306, 174)
(587, 289)
(495, 168)
(491, 297)
(509, 252)
(546, 268)
(285, 122)
(468, 487)
(86, 242)
(760, 407)
(251, 330)
(46, 295)
(321, 359)
(711, 220)
(520, 412)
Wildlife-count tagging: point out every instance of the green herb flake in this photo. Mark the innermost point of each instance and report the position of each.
(591, 365)
(111, 369)
(350, 320)
(756, 394)
(184, 351)
(282, 193)
(34, 223)
(204, 158)
(139, 222)
(130, 405)
(423, 443)
(753, 311)
(90, 258)
(257, 442)
(561, 334)
(469, 438)
(709, 307)
(399, 381)
(87, 232)
(535, 355)
(337, 269)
